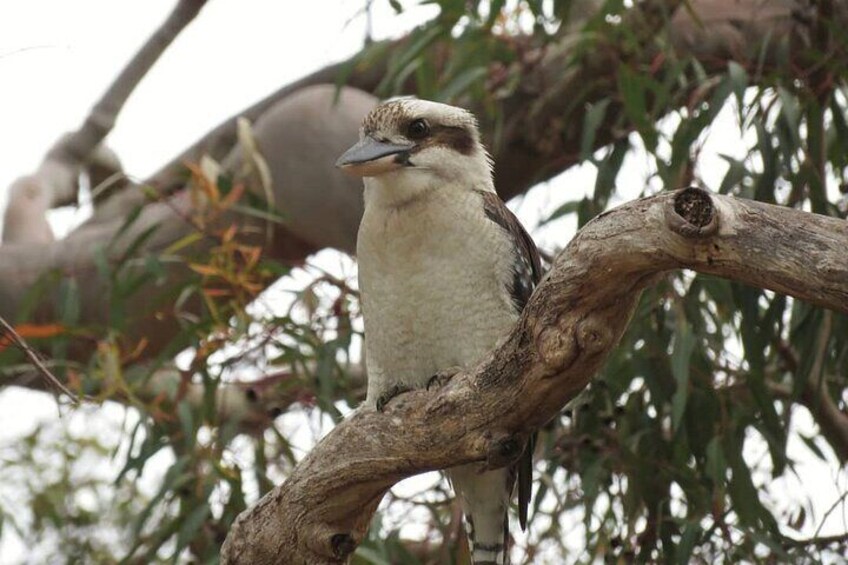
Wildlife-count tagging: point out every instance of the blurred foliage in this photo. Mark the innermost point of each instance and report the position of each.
(652, 463)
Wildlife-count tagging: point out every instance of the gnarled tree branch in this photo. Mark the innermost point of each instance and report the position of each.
(571, 324)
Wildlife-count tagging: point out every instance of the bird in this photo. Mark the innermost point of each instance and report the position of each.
(445, 270)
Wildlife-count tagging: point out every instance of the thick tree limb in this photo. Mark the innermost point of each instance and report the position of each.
(308, 128)
(543, 133)
(300, 141)
(567, 331)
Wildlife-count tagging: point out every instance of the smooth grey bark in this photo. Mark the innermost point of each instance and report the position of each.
(306, 128)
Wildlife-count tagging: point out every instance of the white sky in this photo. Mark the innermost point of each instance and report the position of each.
(58, 56)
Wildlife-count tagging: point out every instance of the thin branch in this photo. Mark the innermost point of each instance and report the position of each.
(838, 540)
(7, 332)
(831, 510)
(79, 145)
(249, 406)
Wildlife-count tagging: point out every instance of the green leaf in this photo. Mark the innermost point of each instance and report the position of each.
(690, 537)
(739, 81)
(608, 173)
(743, 493)
(263, 214)
(37, 293)
(684, 344)
(69, 300)
(132, 248)
(186, 416)
(570, 207)
(715, 463)
(790, 114)
(811, 444)
(183, 242)
(174, 478)
(191, 525)
(592, 120)
(461, 83)
(736, 174)
(131, 218)
(405, 58)
(633, 88)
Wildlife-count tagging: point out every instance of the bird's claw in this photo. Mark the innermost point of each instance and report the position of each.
(441, 378)
(389, 395)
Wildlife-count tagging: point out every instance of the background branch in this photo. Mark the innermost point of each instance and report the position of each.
(56, 182)
(302, 126)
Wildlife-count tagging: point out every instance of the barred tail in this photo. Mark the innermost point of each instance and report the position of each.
(488, 553)
(485, 500)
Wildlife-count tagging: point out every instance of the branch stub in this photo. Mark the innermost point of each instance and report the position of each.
(693, 214)
(343, 545)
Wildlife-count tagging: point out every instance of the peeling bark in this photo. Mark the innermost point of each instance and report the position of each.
(568, 329)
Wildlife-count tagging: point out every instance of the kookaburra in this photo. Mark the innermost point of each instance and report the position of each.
(444, 272)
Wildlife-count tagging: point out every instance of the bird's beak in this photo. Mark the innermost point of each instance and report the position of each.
(369, 157)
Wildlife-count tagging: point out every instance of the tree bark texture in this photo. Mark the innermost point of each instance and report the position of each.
(571, 324)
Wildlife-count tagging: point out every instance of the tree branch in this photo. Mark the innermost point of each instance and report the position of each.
(248, 407)
(572, 322)
(9, 335)
(543, 133)
(77, 147)
(297, 129)
(55, 183)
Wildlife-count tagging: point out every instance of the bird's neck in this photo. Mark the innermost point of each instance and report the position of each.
(402, 190)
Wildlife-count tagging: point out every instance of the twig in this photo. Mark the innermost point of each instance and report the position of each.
(8, 332)
(830, 511)
(817, 541)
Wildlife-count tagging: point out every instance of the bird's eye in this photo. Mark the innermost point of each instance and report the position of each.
(418, 129)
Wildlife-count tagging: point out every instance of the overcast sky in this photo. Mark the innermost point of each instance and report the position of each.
(58, 56)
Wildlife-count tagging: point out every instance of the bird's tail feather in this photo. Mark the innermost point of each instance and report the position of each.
(488, 553)
(485, 500)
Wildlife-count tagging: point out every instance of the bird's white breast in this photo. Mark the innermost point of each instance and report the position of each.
(434, 276)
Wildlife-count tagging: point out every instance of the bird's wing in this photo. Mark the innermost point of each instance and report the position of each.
(528, 265)
(527, 274)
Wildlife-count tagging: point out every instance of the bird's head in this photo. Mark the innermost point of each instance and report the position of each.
(410, 145)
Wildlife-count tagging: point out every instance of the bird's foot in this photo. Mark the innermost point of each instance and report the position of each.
(441, 378)
(389, 395)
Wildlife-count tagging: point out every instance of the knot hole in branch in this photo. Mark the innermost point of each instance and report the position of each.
(343, 545)
(693, 213)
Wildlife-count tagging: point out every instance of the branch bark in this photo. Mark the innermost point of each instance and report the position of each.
(56, 182)
(78, 146)
(307, 127)
(572, 322)
(245, 406)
